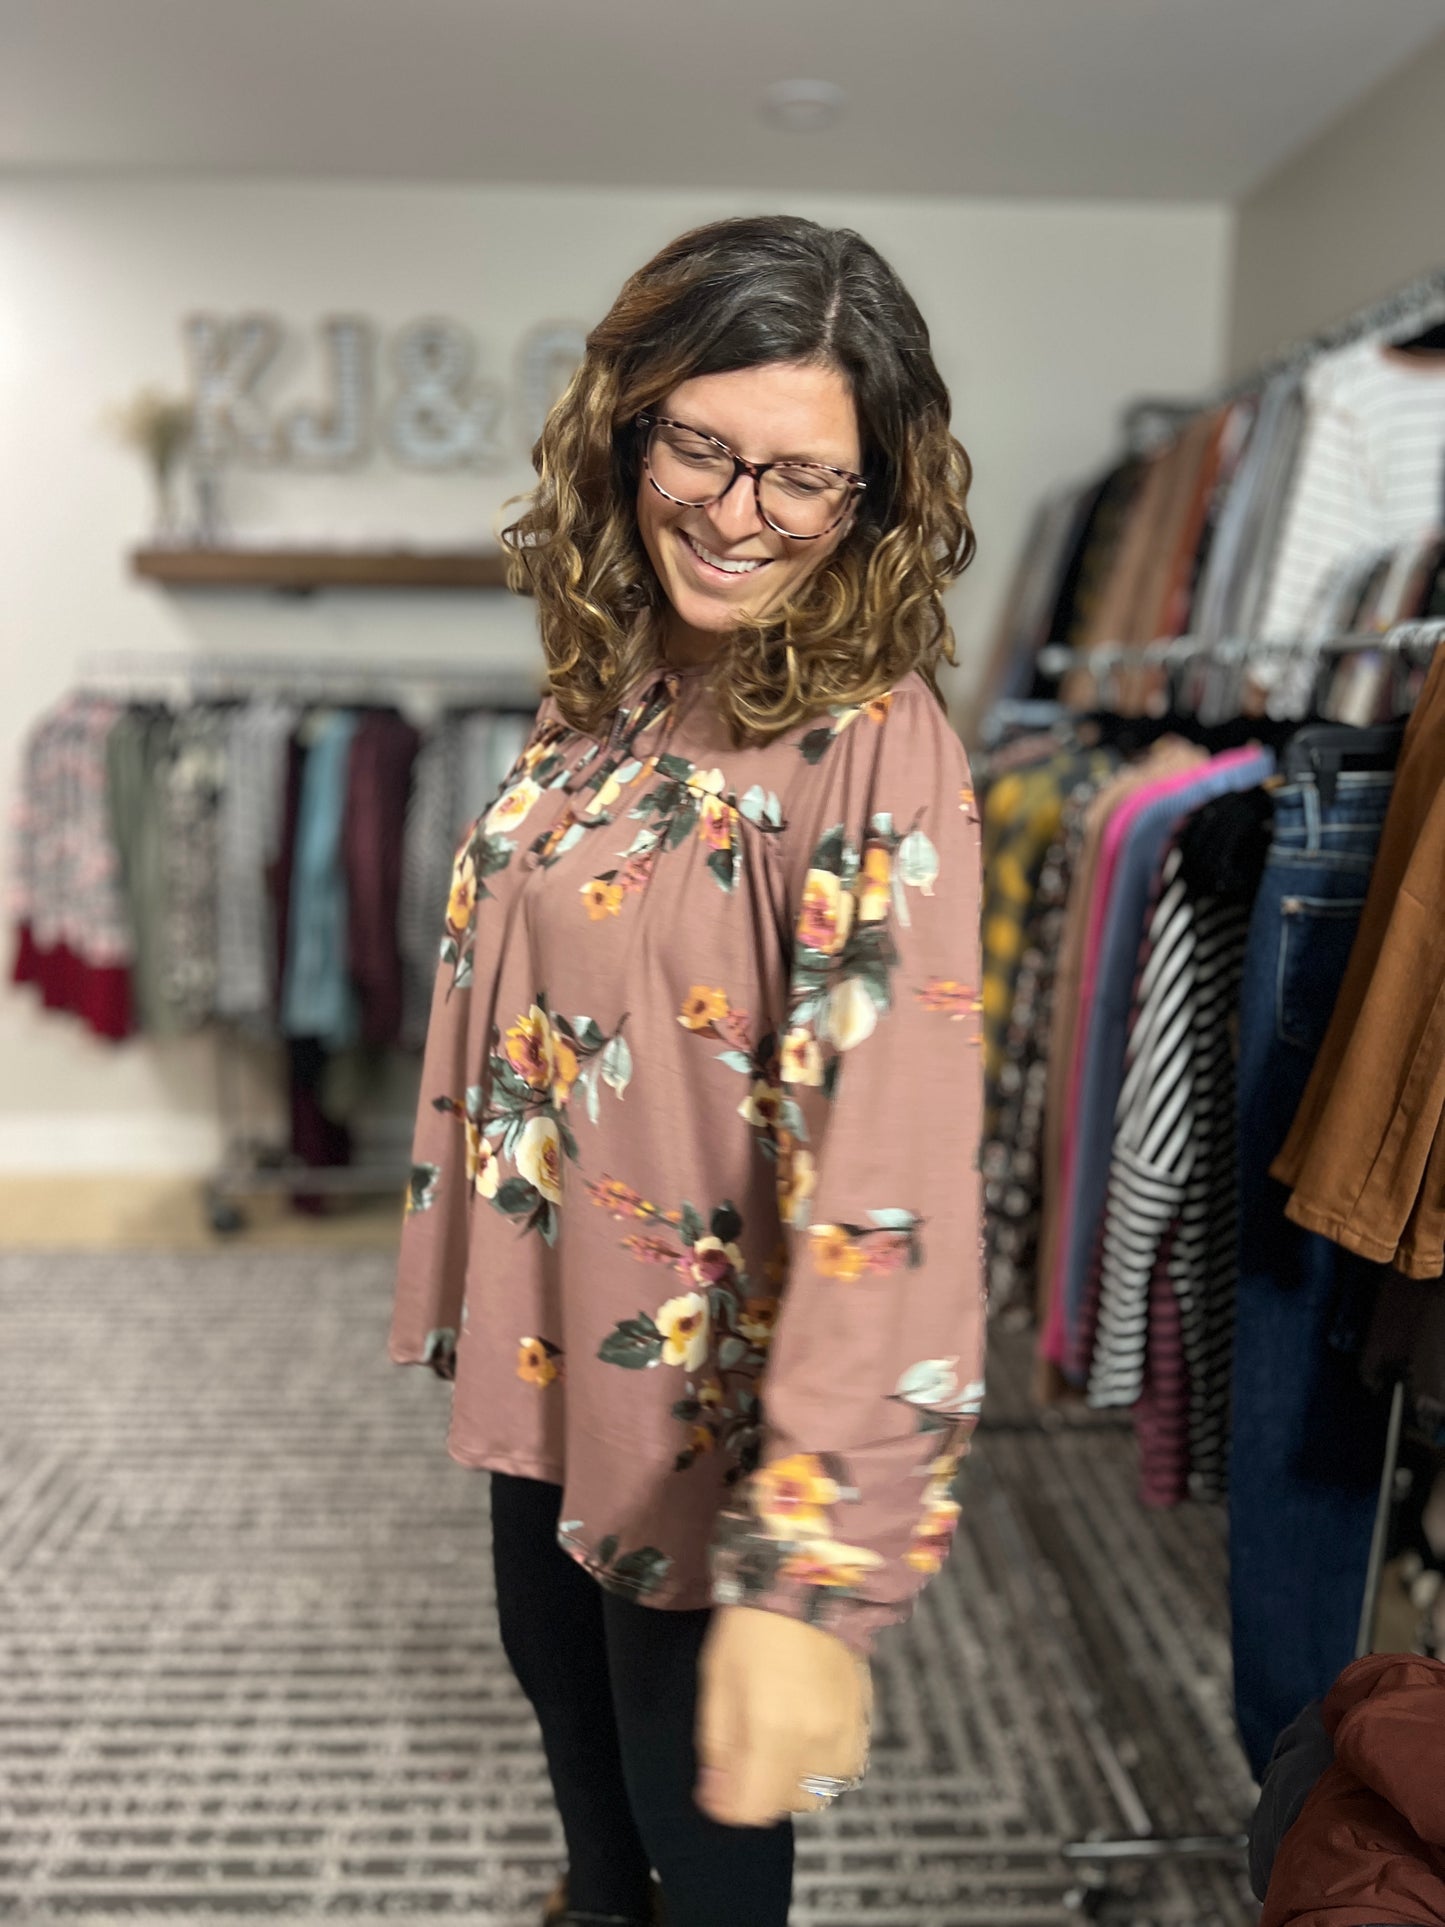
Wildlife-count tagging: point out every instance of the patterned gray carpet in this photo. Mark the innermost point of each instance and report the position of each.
(248, 1668)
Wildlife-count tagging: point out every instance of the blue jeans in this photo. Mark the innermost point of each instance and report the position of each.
(1308, 1439)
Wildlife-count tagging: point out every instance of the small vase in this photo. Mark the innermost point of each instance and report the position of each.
(166, 533)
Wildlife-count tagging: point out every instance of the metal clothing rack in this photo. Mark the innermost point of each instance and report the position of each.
(252, 1165)
(1418, 305)
(1414, 639)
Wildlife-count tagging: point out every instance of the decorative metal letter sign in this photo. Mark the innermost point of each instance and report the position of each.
(338, 436)
(227, 359)
(438, 421)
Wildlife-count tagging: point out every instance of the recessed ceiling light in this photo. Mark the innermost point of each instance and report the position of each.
(803, 106)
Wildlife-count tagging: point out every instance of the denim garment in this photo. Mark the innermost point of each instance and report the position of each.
(317, 998)
(1308, 1439)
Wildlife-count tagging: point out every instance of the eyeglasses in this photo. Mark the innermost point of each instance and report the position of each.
(802, 500)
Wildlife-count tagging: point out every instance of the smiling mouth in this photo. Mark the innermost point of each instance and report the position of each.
(719, 565)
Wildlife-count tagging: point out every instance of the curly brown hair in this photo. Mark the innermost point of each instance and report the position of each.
(740, 294)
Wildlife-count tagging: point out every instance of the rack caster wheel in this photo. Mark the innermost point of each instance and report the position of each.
(225, 1218)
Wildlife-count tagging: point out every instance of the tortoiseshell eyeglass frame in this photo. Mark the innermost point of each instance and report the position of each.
(757, 470)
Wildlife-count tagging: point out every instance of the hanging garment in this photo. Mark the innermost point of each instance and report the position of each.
(317, 996)
(1308, 1437)
(73, 938)
(1139, 832)
(1369, 474)
(1366, 1153)
(727, 1181)
(1022, 811)
(1013, 1155)
(429, 843)
(1368, 1845)
(194, 778)
(247, 835)
(138, 752)
(1171, 1225)
(373, 826)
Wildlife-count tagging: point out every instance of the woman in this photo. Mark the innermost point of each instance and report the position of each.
(694, 1220)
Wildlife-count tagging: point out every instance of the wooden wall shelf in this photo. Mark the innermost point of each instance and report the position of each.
(303, 571)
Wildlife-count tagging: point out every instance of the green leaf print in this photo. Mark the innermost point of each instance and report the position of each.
(422, 1190)
(690, 1229)
(830, 853)
(814, 745)
(726, 1222)
(449, 951)
(589, 1033)
(643, 1571)
(681, 826)
(736, 1060)
(894, 1220)
(491, 854)
(731, 1353)
(918, 861)
(635, 1344)
(517, 1198)
(726, 866)
(607, 1551)
(678, 767)
(617, 1065)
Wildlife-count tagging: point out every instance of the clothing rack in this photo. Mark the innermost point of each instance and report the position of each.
(1416, 306)
(252, 1165)
(127, 673)
(1416, 640)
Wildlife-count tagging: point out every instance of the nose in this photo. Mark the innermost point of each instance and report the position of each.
(735, 515)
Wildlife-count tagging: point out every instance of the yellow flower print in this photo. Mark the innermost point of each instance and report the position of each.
(968, 800)
(874, 885)
(703, 1007)
(463, 899)
(602, 899)
(951, 998)
(513, 808)
(482, 1162)
(539, 1157)
(827, 913)
(792, 1497)
(802, 1059)
(824, 1562)
(683, 1323)
(934, 1534)
(852, 1013)
(531, 1048)
(763, 1106)
(537, 1362)
(835, 1254)
(715, 823)
(565, 1068)
(797, 1181)
(877, 710)
(757, 1321)
(618, 1198)
(605, 797)
(707, 782)
(709, 1395)
(775, 1271)
(700, 1439)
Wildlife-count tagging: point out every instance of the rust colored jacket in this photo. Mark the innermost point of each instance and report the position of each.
(1369, 1845)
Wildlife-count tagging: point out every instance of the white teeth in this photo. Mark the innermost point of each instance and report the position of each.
(729, 568)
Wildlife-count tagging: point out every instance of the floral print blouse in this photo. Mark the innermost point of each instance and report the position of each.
(694, 1220)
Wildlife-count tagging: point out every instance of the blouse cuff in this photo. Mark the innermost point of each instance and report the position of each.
(744, 1573)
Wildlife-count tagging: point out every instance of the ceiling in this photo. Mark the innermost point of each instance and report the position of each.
(1137, 99)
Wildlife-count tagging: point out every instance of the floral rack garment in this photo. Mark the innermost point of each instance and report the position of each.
(695, 1212)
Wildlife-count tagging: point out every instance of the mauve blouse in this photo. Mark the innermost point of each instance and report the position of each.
(694, 1220)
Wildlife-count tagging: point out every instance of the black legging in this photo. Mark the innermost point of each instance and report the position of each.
(614, 1688)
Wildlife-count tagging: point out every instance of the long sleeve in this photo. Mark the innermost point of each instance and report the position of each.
(874, 1381)
(450, 1161)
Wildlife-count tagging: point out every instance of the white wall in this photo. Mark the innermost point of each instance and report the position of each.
(1046, 319)
(1357, 213)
